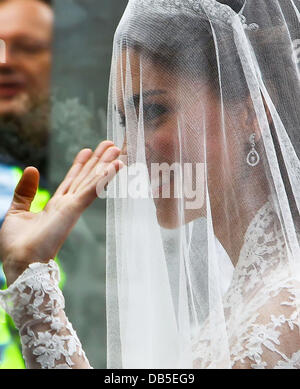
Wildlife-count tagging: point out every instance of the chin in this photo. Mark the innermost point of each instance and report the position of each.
(17, 106)
(169, 217)
(167, 213)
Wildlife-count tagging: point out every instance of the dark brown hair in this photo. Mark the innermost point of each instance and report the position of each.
(184, 43)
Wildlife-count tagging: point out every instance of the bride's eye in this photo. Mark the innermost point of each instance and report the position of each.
(150, 112)
(122, 121)
(153, 111)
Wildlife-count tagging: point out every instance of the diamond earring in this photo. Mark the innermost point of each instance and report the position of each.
(253, 157)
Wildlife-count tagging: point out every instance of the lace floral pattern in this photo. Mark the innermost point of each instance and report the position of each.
(261, 305)
(210, 8)
(36, 304)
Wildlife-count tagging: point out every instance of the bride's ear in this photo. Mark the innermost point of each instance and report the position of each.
(250, 120)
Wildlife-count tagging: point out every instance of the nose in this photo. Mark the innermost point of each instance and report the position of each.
(7, 58)
(2, 51)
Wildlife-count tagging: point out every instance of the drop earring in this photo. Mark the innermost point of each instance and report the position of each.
(253, 157)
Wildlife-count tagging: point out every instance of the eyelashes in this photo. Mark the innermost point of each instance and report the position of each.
(122, 120)
(154, 111)
(150, 112)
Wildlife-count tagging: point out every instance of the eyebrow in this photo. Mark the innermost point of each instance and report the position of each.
(146, 94)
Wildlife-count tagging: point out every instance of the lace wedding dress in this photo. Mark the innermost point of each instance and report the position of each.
(263, 328)
(206, 92)
(36, 305)
(261, 305)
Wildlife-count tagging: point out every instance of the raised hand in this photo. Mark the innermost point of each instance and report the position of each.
(27, 237)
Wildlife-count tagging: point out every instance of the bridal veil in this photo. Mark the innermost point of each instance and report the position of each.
(203, 221)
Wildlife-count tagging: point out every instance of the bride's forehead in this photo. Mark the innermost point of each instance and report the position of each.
(133, 67)
(127, 68)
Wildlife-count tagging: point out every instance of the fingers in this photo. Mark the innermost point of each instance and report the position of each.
(97, 183)
(110, 155)
(109, 174)
(106, 152)
(81, 159)
(26, 190)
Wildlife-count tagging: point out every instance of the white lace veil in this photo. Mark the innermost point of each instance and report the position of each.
(204, 101)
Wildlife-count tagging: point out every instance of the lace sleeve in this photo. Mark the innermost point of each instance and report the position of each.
(36, 304)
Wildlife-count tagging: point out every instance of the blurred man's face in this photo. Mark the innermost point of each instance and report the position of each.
(26, 28)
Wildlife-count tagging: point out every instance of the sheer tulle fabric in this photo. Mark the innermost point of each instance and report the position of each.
(203, 222)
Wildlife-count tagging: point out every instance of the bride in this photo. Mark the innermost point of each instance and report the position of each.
(203, 243)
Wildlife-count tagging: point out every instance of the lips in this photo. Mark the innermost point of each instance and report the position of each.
(10, 88)
(158, 186)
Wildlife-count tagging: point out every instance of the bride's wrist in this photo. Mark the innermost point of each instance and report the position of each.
(15, 265)
(13, 269)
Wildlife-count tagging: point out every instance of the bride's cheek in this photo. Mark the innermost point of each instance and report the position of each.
(163, 143)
